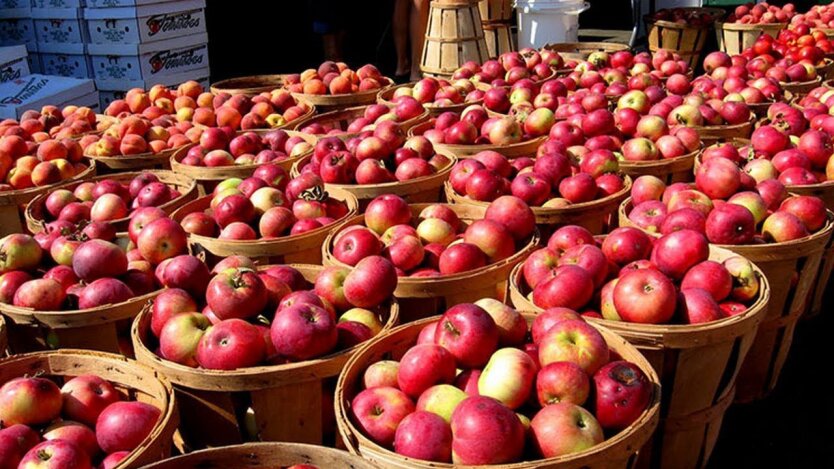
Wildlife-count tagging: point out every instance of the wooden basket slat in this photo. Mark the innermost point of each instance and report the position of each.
(670, 171)
(513, 150)
(581, 50)
(115, 164)
(250, 85)
(734, 38)
(454, 35)
(342, 118)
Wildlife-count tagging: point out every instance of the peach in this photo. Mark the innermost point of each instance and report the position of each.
(39, 137)
(252, 121)
(262, 109)
(30, 114)
(295, 88)
(229, 116)
(193, 134)
(314, 86)
(309, 74)
(13, 145)
(79, 167)
(341, 66)
(106, 146)
(87, 140)
(51, 150)
(156, 146)
(240, 102)
(205, 99)
(328, 78)
(281, 100)
(369, 71)
(29, 162)
(85, 114)
(184, 101)
(6, 164)
(117, 107)
(66, 168)
(159, 91)
(181, 127)
(185, 114)
(327, 67)
(190, 88)
(165, 104)
(51, 110)
(20, 178)
(74, 150)
(157, 133)
(133, 125)
(368, 84)
(340, 85)
(31, 126)
(133, 145)
(45, 173)
(138, 102)
(68, 110)
(153, 112)
(176, 141)
(204, 116)
(292, 78)
(260, 98)
(220, 99)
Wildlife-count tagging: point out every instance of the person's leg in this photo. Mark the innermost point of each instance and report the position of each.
(419, 21)
(400, 23)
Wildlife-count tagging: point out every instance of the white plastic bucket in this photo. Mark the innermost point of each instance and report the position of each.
(542, 22)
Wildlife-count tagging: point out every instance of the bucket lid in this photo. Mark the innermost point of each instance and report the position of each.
(534, 5)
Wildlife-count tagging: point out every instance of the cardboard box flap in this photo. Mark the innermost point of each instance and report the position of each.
(10, 53)
(12, 13)
(56, 13)
(142, 11)
(37, 90)
(139, 49)
(62, 48)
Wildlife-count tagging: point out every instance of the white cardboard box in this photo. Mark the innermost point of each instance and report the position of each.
(120, 3)
(68, 60)
(110, 90)
(59, 25)
(14, 63)
(16, 27)
(143, 61)
(90, 100)
(36, 91)
(145, 23)
(57, 3)
(12, 4)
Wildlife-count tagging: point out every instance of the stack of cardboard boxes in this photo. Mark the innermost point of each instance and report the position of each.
(120, 44)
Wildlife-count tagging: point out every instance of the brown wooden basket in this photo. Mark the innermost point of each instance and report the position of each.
(301, 248)
(711, 134)
(668, 170)
(421, 297)
(802, 88)
(615, 452)
(132, 379)
(779, 262)
(733, 38)
(581, 50)
(332, 102)
(760, 109)
(698, 365)
(385, 96)
(207, 178)
(598, 216)
(496, 19)
(4, 340)
(13, 203)
(514, 150)
(250, 86)
(684, 39)
(425, 189)
(116, 164)
(264, 456)
(288, 402)
(36, 209)
(454, 35)
(341, 119)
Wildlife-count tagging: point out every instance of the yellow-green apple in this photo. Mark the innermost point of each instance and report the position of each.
(782, 226)
(40, 295)
(730, 224)
(484, 431)
(810, 210)
(696, 306)
(381, 373)
(588, 257)
(512, 328)
(55, 454)
(564, 428)
(441, 399)
(442, 212)
(461, 257)
(677, 252)
(508, 377)
(469, 333)
(363, 316)
(634, 99)
(626, 244)
(180, 337)
(539, 122)
(645, 296)
(423, 366)
(229, 344)
(386, 211)
(548, 318)
(161, 239)
(569, 286)
(19, 252)
(29, 401)
(236, 293)
(435, 230)
(371, 282)
(574, 341)
(76, 433)
(492, 238)
(753, 202)
(85, 397)
(505, 131)
(303, 331)
(562, 382)
(378, 411)
(640, 149)
(710, 276)
(123, 426)
(622, 394)
(424, 435)
(651, 127)
(606, 300)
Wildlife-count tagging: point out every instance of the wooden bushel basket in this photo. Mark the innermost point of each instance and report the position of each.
(341, 120)
(249, 86)
(289, 403)
(616, 452)
(789, 298)
(669, 171)
(424, 189)
(333, 102)
(208, 178)
(684, 39)
(385, 96)
(121, 163)
(4, 340)
(513, 150)
(496, 19)
(697, 364)
(303, 248)
(426, 296)
(711, 134)
(454, 35)
(581, 50)
(802, 88)
(132, 379)
(597, 216)
(760, 109)
(733, 38)
(264, 456)
(36, 209)
(13, 203)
